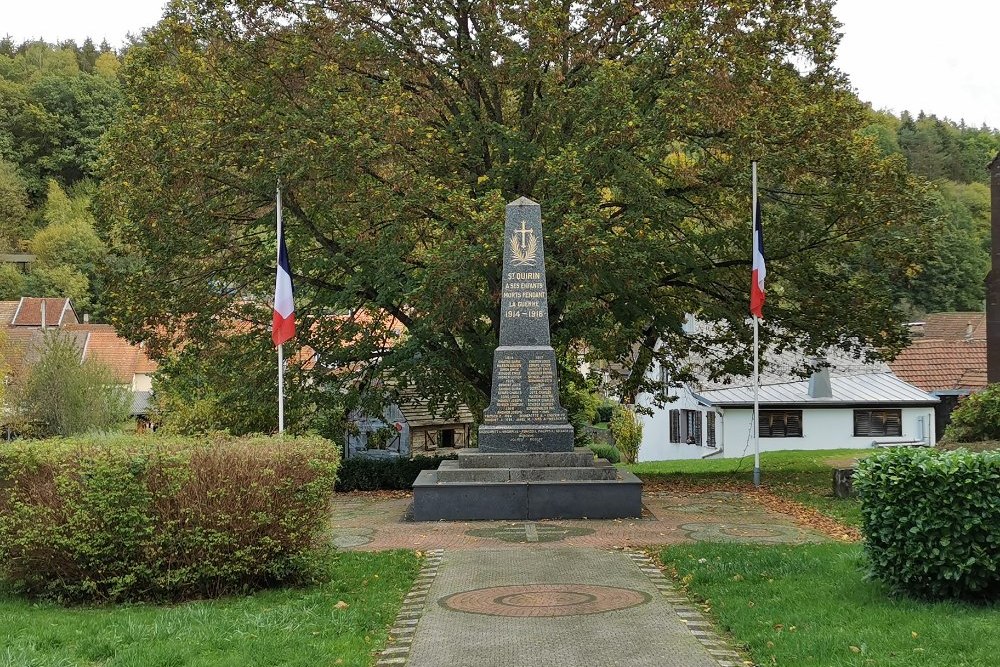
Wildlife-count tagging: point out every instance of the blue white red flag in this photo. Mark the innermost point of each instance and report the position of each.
(283, 320)
(757, 292)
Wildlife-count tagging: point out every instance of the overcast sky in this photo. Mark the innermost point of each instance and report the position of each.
(900, 54)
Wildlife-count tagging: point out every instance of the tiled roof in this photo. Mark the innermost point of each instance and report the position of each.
(7, 310)
(418, 412)
(25, 345)
(865, 388)
(58, 312)
(934, 364)
(955, 326)
(103, 344)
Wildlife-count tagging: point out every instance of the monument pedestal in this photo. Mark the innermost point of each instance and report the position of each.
(526, 486)
(525, 467)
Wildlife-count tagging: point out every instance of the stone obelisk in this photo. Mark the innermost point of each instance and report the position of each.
(524, 413)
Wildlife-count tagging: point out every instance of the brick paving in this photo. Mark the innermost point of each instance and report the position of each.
(642, 628)
(556, 593)
(369, 523)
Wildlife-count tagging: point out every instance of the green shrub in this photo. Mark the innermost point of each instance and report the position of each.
(605, 411)
(360, 473)
(627, 431)
(977, 417)
(157, 518)
(606, 452)
(931, 521)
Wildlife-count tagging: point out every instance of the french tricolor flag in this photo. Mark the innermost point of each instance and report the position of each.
(283, 320)
(759, 271)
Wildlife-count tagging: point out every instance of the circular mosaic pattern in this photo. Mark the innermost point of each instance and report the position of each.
(530, 532)
(346, 538)
(535, 600)
(746, 532)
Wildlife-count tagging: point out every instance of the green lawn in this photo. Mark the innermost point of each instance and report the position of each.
(811, 606)
(294, 627)
(804, 476)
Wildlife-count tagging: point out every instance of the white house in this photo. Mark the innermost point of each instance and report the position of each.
(847, 403)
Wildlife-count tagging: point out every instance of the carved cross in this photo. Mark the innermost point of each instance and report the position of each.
(523, 231)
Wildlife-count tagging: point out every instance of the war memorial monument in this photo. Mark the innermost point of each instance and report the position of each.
(526, 466)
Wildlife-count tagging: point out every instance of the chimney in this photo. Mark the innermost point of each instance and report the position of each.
(86, 318)
(968, 331)
(993, 278)
(819, 381)
(43, 313)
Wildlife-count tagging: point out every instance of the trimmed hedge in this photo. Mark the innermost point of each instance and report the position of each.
(931, 521)
(606, 452)
(162, 518)
(359, 473)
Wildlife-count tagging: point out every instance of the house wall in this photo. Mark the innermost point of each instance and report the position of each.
(656, 445)
(427, 439)
(822, 428)
(142, 382)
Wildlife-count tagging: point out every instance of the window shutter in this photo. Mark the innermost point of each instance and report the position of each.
(793, 424)
(711, 429)
(893, 422)
(675, 426)
(862, 423)
(696, 419)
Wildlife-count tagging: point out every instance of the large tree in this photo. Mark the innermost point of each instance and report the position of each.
(400, 129)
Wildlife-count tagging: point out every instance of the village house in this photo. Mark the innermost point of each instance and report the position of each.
(946, 358)
(845, 403)
(26, 321)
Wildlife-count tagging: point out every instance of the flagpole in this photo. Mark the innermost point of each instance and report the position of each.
(756, 352)
(281, 360)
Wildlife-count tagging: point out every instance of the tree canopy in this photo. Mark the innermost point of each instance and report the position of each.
(400, 130)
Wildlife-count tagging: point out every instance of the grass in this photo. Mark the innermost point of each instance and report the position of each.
(811, 606)
(292, 627)
(803, 476)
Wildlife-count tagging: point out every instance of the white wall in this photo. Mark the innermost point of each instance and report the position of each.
(656, 445)
(142, 382)
(822, 428)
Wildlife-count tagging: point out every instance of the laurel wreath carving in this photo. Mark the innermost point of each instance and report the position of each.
(525, 254)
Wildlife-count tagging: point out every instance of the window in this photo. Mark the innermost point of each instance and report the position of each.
(664, 377)
(675, 426)
(877, 423)
(780, 424)
(710, 429)
(692, 420)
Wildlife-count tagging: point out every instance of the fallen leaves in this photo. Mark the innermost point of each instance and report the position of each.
(804, 516)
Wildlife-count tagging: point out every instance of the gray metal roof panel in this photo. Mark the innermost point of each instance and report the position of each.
(848, 389)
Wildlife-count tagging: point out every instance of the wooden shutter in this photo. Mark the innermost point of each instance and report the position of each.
(893, 422)
(675, 426)
(862, 423)
(710, 428)
(793, 424)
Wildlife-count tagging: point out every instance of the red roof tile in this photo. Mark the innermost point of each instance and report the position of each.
(934, 364)
(58, 312)
(955, 326)
(103, 344)
(7, 310)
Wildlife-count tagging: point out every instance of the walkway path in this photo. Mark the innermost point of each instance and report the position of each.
(563, 607)
(555, 593)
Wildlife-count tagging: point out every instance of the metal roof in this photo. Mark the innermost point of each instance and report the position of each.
(872, 388)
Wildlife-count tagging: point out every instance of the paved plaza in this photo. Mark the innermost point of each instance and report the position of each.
(371, 522)
(556, 593)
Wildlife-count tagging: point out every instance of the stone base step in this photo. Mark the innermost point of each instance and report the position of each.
(581, 457)
(453, 474)
(436, 500)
